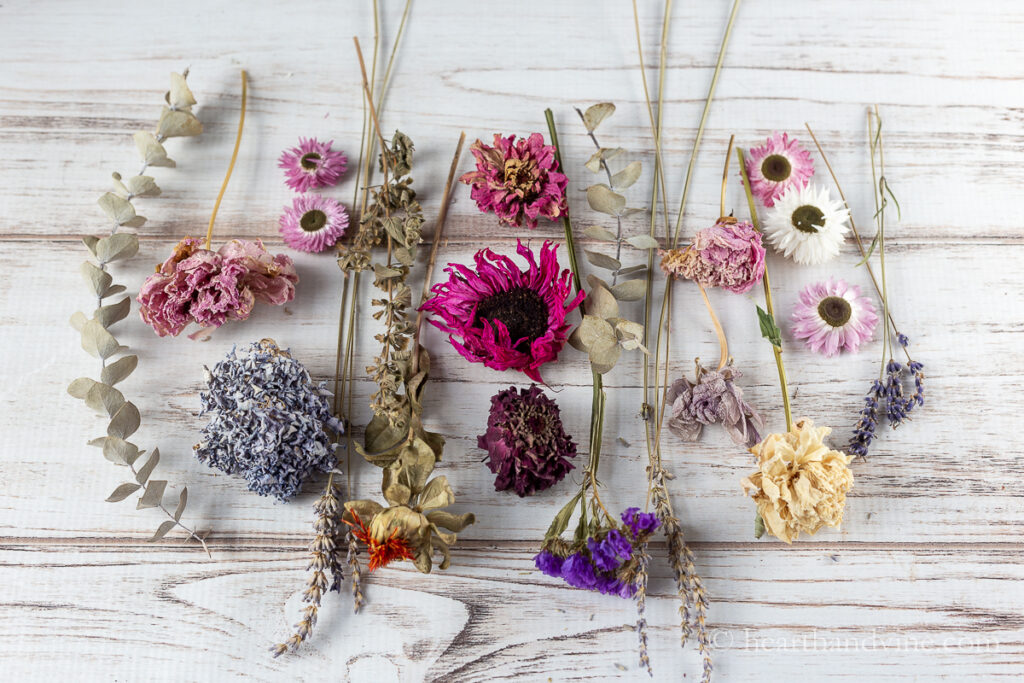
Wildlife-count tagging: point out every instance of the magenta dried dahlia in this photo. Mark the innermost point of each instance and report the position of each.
(526, 445)
(517, 180)
(504, 317)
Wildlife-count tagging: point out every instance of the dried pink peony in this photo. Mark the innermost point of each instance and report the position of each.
(517, 180)
(211, 287)
(729, 254)
(713, 398)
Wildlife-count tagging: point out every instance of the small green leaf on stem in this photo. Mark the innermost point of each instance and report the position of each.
(769, 330)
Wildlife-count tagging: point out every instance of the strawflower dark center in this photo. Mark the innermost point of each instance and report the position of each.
(522, 311)
(808, 218)
(310, 161)
(776, 168)
(519, 175)
(835, 310)
(313, 220)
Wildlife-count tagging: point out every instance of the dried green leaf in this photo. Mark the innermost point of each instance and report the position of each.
(125, 421)
(104, 399)
(597, 113)
(601, 303)
(142, 186)
(593, 329)
(642, 242)
(179, 96)
(602, 198)
(178, 124)
(120, 210)
(116, 247)
(153, 496)
(162, 530)
(627, 176)
(97, 278)
(119, 370)
(436, 494)
(561, 521)
(758, 525)
(98, 342)
(81, 386)
(404, 256)
(630, 290)
(90, 242)
(603, 355)
(112, 313)
(122, 492)
(143, 474)
(598, 233)
(602, 260)
(119, 451)
(78, 320)
(182, 501)
(152, 152)
(769, 330)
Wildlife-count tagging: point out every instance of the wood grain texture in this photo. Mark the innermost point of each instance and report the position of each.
(923, 581)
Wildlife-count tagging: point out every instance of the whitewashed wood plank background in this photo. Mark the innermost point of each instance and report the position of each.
(924, 579)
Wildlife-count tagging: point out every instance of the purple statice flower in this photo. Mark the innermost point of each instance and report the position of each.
(609, 553)
(579, 572)
(269, 421)
(549, 563)
(640, 522)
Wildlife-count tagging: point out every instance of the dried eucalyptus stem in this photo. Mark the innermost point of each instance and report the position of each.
(176, 120)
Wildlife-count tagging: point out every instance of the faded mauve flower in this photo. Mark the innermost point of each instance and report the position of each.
(729, 254)
(713, 398)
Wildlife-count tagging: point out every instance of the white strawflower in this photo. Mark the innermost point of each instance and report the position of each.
(807, 225)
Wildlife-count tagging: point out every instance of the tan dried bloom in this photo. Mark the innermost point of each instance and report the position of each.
(801, 484)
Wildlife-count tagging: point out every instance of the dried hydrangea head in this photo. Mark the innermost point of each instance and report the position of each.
(526, 445)
(776, 166)
(269, 421)
(714, 397)
(801, 483)
(313, 223)
(518, 180)
(312, 164)
(729, 255)
(504, 317)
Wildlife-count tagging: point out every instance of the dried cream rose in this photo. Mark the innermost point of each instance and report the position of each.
(801, 484)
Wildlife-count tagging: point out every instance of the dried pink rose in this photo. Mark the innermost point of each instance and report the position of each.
(729, 254)
(211, 287)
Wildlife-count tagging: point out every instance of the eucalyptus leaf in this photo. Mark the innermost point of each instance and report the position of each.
(602, 260)
(596, 232)
(630, 210)
(142, 186)
(121, 245)
(630, 334)
(627, 176)
(147, 469)
(575, 341)
(162, 530)
(601, 303)
(97, 278)
(632, 270)
(601, 198)
(642, 242)
(98, 442)
(90, 242)
(112, 313)
(593, 329)
(119, 370)
(78, 320)
(125, 421)
(604, 154)
(769, 330)
(153, 496)
(119, 187)
(594, 282)
(80, 387)
(597, 113)
(122, 492)
(113, 289)
(179, 96)
(119, 210)
(104, 399)
(178, 124)
(151, 151)
(603, 355)
(119, 451)
(182, 501)
(629, 290)
(98, 342)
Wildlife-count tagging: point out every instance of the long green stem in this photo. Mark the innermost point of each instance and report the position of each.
(767, 295)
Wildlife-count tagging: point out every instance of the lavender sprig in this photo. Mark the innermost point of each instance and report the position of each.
(641, 606)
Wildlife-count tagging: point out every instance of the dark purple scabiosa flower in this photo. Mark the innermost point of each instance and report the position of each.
(526, 445)
(269, 421)
(607, 562)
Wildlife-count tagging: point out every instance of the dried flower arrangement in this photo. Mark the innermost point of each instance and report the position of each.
(176, 120)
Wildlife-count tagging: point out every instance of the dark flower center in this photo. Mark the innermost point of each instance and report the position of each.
(776, 168)
(522, 311)
(835, 310)
(808, 218)
(520, 175)
(313, 220)
(310, 161)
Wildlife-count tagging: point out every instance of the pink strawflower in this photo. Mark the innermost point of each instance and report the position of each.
(781, 163)
(312, 164)
(517, 180)
(832, 316)
(729, 254)
(504, 317)
(211, 287)
(312, 223)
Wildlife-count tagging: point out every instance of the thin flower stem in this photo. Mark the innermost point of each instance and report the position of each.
(566, 222)
(231, 165)
(767, 294)
(723, 342)
(873, 142)
(725, 176)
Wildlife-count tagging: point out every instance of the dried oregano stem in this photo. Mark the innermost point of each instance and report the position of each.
(176, 120)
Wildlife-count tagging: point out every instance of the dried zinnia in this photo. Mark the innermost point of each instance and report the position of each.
(729, 254)
(312, 164)
(776, 166)
(269, 421)
(801, 483)
(526, 445)
(313, 223)
(211, 287)
(832, 316)
(714, 397)
(504, 317)
(518, 180)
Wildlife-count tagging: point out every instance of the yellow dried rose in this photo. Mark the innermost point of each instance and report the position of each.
(801, 484)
